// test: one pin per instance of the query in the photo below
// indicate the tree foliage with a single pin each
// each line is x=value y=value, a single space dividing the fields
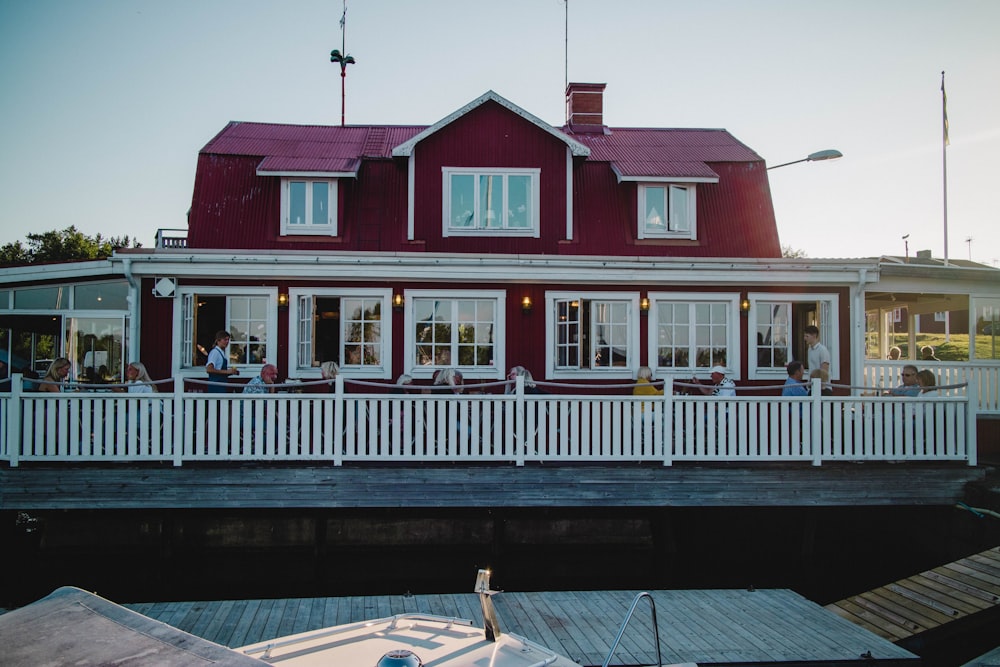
x=60 y=246
x=793 y=253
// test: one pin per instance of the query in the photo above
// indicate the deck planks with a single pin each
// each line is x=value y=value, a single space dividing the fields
x=703 y=626
x=927 y=600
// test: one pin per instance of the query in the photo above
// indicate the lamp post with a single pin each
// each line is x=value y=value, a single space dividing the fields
x=829 y=154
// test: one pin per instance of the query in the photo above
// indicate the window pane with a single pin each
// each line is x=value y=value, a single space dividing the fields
x=42 y=298
x=297 y=203
x=987 y=328
x=462 y=200
x=320 y=203
x=679 y=221
x=95 y=347
x=4 y=299
x=491 y=201
x=518 y=202
x=656 y=210
x=101 y=296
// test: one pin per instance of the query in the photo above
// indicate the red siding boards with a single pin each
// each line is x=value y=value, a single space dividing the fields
x=235 y=208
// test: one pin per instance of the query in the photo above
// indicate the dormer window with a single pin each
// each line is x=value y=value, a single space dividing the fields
x=666 y=211
x=490 y=202
x=308 y=206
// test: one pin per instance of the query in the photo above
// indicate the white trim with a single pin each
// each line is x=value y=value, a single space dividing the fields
x=411 y=194
x=613 y=373
x=733 y=342
x=406 y=148
x=569 y=194
x=829 y=331
x=310 y=228
x=447 y=174
x=497 y=371
x=315 y=175
x=383 y=371
x=691 y=198
x=227 y=291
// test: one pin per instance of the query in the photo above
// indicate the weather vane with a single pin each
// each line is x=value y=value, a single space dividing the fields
x=341 y=56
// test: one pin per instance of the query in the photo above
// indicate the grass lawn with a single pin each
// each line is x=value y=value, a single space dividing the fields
x=954 y=349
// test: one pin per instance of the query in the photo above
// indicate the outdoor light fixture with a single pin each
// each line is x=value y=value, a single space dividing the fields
x=397 y=301
x=744 y=306
x=818 y=156
x=283 y=300
x=526 y=305
x=644 y=305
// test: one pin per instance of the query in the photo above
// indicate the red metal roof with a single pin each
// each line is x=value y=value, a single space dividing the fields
x=633 y=152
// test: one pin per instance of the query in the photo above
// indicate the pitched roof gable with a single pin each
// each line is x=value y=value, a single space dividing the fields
x=406 y=148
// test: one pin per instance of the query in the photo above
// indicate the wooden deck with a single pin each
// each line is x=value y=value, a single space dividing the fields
x=277 y=486
x=927 y=600
x=710 y=627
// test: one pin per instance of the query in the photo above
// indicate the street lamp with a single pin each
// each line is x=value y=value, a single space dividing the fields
x=828 y=154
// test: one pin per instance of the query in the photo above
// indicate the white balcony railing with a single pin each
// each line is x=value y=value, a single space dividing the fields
x=984 y=376
x=341 y=427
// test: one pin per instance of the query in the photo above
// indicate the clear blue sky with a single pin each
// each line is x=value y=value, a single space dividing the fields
x=106 y=103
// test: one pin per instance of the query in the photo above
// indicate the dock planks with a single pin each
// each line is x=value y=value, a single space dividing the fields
x=927 y=600
x=710 y=627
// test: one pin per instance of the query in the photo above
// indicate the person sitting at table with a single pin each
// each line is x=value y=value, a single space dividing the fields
x=927 y=354
x=644 y=385
x=449 y=377
x=529 y=381
x=794 y=385
x=55 y=376
x=928 y=384
x=909 y=386
x=721 y=385
x=138 y=379
x=329 y=370
x=826 y=390
x=262 y=383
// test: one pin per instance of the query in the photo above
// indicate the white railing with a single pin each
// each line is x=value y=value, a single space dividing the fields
x=345 y=427
x=984 y=376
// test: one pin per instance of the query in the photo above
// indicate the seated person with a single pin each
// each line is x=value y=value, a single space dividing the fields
x=529 y=381
x=927 y=354
x=261 y=383
x=721 y=385
x=827 y=390
x=909 y=386
x=928 y=384
x=794 y=385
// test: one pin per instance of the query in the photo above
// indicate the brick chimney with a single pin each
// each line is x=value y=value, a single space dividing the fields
x=585 y=107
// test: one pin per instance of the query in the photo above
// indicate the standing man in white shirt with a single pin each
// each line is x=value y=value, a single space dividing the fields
x=818 y=356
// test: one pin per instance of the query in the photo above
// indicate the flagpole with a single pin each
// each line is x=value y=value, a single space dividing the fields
x=944 y=162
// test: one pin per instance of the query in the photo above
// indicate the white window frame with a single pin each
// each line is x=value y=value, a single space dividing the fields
x=668 y=232
x=311 y=227
x=829 y=330
x=295 y=316
x=692 y=299
x=425 y=372
x=183 y=329
x=626 y=372
x=534 y=227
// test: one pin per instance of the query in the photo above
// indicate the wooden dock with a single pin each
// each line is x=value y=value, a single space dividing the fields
x=928 y=600
x=710 y=627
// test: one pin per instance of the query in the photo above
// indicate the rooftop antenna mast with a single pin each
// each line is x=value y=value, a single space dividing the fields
x=906 y=247
x=342 y=57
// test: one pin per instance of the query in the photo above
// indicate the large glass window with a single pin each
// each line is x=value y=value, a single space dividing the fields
x=309 y=206
x=96 y=348
x=592 y=332
x=693 y=331
x=777 y=323
x=344 y=326
x=987 y=328
x=667 y=211
x=455 y=330
x=249 y=318
x=490 y=201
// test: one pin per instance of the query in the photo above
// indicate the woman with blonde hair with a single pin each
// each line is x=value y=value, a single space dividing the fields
x=138 y=379
x=55 y=376
x=330 y=370
x=449 y=377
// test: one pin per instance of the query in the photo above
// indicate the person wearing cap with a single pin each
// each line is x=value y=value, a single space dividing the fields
x=721 y=385
x=218 y=364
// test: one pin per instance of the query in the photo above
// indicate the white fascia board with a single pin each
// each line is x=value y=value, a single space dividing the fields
x=501 y=268
x=903 y=285
x=662 y=179
x=405 y=148
x=65 y=271
x=309 y=174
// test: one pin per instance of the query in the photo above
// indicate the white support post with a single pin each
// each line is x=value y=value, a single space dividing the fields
x=338 y=420
x=14 y=409
x=180 y=421
x=816 y=427
x=972 y=396
x=668 y=421
x=519 y=420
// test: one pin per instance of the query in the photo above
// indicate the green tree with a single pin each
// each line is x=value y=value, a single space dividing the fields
x=60 y=246
x=792 y=253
